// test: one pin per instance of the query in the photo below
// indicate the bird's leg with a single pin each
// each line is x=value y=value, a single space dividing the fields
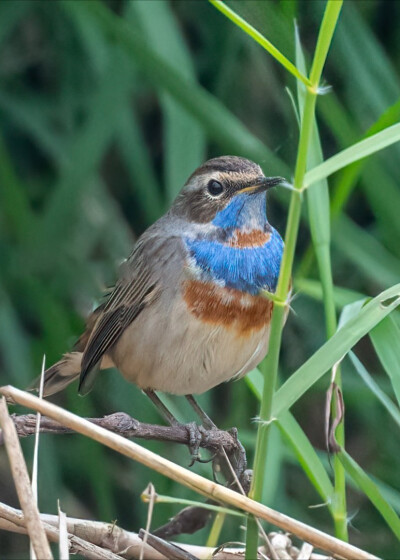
x=195 y=432
x=206 y=420
x=207 y=423
x=162 y=409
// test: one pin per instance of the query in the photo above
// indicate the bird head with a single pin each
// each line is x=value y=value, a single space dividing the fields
x=228 y=191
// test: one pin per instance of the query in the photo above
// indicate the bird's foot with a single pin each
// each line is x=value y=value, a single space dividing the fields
x=197 y=435
x=232 y=464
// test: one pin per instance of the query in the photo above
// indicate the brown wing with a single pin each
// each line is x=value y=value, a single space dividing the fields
x=139 y=285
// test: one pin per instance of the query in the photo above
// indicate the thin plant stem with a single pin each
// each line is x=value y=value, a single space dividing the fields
x=278 y=316
x=216 y=529
x=339 y=509
x=272 y=360
x=192 y=503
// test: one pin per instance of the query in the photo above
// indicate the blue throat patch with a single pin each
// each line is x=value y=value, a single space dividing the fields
x=247 y=269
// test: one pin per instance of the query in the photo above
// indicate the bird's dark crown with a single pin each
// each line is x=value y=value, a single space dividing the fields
x=228 y=164
x=196 y=201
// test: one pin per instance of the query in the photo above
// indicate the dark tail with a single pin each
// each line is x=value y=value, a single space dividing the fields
x=66 y=370
x=59 y=375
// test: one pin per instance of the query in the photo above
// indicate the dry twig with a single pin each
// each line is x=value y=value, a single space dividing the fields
x=13 y=520
x=186 y=477
x=126 y=426
x=22 y=483
x=63 y=545
x=128 y=544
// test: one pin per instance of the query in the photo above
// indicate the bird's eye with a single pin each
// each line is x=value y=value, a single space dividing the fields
x=215 y=188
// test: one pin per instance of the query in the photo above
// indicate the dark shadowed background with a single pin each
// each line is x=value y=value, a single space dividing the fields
x=93 y=149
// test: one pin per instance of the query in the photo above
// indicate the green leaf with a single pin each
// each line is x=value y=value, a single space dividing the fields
x=393 y=410
x=366 y=252
x=261 y=40
x=362 y=61
x=299 y=443
x=313 y=289
x=356 y=152
x=306 y=456
x=335 y=348
x=371 y=490
x=383 y=201
x=386 y=340
x=391 y=495
x=350 y=311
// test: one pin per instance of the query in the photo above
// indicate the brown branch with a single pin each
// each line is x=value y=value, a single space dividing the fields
x=126 y=426
x=22 y=483
x=214 y=440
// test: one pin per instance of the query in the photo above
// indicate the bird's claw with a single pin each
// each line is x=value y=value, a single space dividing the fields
x=197 y=436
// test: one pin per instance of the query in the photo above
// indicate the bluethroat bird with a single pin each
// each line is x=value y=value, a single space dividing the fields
x=186 y=313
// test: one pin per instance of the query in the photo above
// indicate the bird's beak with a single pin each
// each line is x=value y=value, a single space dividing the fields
x=263 y=184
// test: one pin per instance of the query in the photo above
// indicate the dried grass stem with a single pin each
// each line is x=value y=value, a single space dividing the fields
x=186 y=477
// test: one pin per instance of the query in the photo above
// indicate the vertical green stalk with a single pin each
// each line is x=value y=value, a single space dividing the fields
x=216 y=529
x=271 y=365
x=319 y=215
x=339 y=510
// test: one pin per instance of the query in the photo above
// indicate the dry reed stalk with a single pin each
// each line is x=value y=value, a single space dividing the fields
x=127 y=543
x=150 y=491
x=184 y=476
x=22 y=483
x=34 y=483
x=63 y=545
x=14 y=520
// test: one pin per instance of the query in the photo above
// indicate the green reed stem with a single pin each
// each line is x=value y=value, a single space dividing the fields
x=338 y=509
x=216 y=528
x=272 y=360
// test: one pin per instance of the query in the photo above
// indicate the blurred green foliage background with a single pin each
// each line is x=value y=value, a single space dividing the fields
x=102 y=120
